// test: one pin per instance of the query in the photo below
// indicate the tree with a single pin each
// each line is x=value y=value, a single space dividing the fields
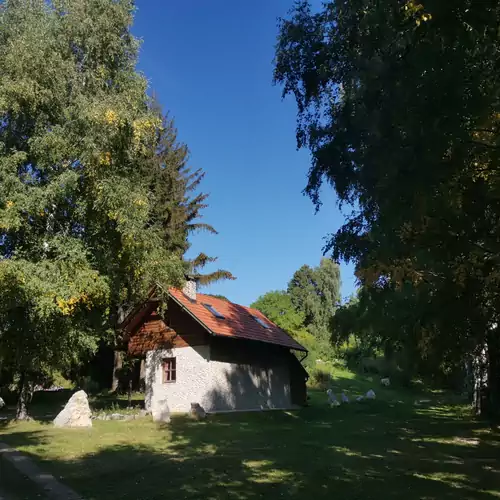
x=399 y=105
x=176 y=205
x=315 y=293
x=78 y=233
x=278 y=307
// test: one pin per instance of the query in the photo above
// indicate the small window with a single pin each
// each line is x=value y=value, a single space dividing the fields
x=169 y=370
x=214 y=311
x=260 y=321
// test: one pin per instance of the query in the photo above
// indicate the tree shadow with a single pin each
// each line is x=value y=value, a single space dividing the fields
x=368 y=450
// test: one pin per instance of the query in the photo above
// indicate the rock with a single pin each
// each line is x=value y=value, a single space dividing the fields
x=359 y=399
x=344 y=398
x=2 y=403
x=332 y=398
x=385 y=381
x=370 y=394
x=117 y=416
x=160 y=411
x=76 y=413
x=197 y=412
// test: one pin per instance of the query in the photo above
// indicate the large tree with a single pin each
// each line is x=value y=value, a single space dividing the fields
x=315 y=293
x=278 y=307
x=399 y=103
x=78 y=236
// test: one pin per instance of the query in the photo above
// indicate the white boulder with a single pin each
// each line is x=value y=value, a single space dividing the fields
x=197 y=412
x=160 y=411
x=76 y=413
x=332 y=398
x=370 y=394
x=385 y=381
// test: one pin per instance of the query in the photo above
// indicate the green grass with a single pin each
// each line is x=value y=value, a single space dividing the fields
x=390 y=448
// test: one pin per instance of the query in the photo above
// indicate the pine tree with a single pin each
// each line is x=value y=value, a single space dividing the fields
x=176 y=204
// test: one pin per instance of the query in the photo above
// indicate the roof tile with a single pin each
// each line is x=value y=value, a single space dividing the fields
x=238 y=321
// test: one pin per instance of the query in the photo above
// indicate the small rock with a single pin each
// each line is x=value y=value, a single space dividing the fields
x=385 y=381
x=116 y=416
x=359 y=399
x=344 y=398
x=370 y=394
x=2 y=403
x=197 y=412
x=76 y=413
x=332 y=398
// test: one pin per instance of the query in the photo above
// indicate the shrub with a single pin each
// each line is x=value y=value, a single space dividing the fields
x=320 y=378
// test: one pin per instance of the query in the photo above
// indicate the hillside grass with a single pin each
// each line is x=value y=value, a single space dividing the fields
x=402 y=445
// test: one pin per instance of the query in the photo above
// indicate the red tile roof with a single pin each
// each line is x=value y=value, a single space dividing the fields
x=238 y=321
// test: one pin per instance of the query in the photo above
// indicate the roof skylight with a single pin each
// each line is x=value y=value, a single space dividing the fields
x=214 y=311
x=260 y=321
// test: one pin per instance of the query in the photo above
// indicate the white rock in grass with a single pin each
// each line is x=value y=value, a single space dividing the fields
x=370 y=394
x=76 y=413
x=344 y=398
x=197 y=411
x=332 y=398
x=2 y=403
x=385 y=381
x=160 y=411
x=359 y=399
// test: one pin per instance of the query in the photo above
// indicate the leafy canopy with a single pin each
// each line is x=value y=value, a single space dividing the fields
x=399 y=103
x=78 y=230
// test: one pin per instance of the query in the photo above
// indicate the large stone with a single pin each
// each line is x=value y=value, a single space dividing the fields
x=160 y=411
x=76 y=413
x=197 y=411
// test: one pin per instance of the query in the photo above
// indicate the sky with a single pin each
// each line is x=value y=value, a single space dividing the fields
x=210 y=64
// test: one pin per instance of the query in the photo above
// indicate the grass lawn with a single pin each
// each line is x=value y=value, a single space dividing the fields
x=391 y=448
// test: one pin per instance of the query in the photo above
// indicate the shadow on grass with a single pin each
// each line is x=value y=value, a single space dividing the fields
x=377 y=449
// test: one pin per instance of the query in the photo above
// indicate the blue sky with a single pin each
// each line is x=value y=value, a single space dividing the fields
x=210 y=65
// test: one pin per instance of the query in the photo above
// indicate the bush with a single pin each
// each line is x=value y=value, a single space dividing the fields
x=320 y=378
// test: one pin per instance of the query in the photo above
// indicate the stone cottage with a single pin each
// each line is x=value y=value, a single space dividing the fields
x=223 y=356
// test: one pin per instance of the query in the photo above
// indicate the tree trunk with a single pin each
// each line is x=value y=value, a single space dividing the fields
x=130 y=390
x=117 y=366
x=25 y=392
x=493 y=373
x=480 y=370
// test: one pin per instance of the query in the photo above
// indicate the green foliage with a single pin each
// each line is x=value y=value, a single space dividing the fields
x=175 y=203
x=320 y=378
x=278 y=307
x=96 y=200
x=306 y=309
x=399 y=104
x=315 y=293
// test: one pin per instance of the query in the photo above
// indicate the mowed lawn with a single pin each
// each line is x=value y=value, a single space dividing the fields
x=394 y=447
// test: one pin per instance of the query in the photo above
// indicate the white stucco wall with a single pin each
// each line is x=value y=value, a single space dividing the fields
x=216 y=385
x=192 y=367
x=247 y=387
